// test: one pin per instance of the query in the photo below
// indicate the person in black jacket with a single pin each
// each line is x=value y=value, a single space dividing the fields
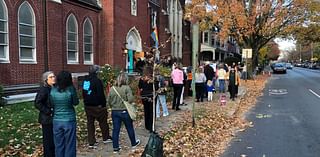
x=45 y=114
x=95 y=106
x=146 y=92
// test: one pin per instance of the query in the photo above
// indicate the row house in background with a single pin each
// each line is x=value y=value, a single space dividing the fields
x=55 y=35
x=215 y=49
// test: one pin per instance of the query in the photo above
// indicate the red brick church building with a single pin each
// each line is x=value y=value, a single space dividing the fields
x=42 y=35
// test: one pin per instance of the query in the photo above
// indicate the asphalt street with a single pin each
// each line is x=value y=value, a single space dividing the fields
x=286 y=119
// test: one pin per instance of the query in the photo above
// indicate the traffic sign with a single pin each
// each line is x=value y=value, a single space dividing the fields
x=246 y=53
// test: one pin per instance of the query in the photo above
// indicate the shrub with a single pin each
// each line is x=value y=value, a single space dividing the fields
x=164 y=71
x=108 y=74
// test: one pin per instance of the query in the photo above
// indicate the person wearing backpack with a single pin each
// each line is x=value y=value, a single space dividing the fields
x=95 y=107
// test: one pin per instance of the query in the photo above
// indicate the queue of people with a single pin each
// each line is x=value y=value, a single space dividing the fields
x=57 y=98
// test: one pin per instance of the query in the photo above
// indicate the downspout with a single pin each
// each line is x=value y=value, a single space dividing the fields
x=45 y=34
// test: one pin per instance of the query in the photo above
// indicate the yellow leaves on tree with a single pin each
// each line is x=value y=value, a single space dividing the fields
x=253 y=23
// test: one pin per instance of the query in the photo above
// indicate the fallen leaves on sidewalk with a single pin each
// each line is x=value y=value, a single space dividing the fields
x=214 y=129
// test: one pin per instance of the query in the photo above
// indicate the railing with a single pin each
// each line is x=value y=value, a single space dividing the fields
x=155 y=2
x=20 y=89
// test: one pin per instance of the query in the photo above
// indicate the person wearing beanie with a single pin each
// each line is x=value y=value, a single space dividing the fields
x=95 y=106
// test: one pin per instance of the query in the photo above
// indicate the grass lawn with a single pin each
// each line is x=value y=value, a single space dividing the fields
x=20 y=131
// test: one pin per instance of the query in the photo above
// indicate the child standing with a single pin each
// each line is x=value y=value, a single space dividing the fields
x=210 y=90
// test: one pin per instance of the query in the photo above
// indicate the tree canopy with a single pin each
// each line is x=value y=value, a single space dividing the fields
x=253 y=23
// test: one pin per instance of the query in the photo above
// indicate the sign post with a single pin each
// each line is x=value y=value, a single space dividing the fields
x=246 y=54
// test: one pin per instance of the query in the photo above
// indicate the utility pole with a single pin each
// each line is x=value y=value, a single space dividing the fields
x=195 y=49
x=311 y=47
x=300 y=52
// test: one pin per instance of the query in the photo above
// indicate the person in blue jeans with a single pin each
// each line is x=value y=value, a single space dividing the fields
x=64 y=97
x=161 y=95
x=119 y=112
x=222 y=77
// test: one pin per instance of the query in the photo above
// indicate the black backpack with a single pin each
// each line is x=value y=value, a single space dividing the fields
x=154 y=147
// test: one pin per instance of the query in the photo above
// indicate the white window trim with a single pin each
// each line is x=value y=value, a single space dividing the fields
x=34 y=60
x=134 y=12
x=77 y=40
x=7 y=57
x=203 y=37
x=92 y=59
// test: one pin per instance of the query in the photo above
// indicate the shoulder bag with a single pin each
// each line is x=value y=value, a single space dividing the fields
x=130 y=108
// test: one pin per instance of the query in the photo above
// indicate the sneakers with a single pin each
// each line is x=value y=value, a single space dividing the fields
x=117 y=150
x=109 y=140
x=165 y=115
x=137 y=144
x=93 y=146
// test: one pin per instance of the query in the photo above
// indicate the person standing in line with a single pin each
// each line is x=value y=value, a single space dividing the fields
x=239 y=78
x=189 y=82
x=221 y=77
x=210 y=90
x=119 y=112
x=161 y=95
x=233 y=82
x=182 y=90
x=210 y=74
x=42 y=103
x=146 y=93
x=63 y=98
x=95 y=106
x=177 y=77
x=200 y=80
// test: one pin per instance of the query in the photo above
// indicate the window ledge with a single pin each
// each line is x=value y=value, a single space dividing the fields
x=4 y=61
x=28 y=62
x=88 y=63
x=72 y=62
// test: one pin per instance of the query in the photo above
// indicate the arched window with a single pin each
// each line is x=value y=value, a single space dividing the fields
x=27 y=34
x=4 y=48
x=88 y=42
x=72 y=40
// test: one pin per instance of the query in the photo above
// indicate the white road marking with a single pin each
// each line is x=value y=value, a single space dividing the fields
x=314 y=93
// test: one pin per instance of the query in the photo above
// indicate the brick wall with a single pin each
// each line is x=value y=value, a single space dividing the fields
x=118 y=19
x=15 y=73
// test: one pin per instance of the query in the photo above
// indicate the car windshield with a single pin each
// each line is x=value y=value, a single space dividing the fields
x=279 y=65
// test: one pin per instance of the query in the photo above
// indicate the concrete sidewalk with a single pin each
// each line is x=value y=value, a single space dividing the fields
x=163 y=124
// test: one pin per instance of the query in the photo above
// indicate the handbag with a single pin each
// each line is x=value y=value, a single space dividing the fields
x=130 y=107
x=154 y=147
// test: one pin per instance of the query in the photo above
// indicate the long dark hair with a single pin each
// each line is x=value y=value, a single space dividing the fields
x=64 y=80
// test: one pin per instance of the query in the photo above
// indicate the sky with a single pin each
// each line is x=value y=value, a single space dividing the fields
x=285 y=44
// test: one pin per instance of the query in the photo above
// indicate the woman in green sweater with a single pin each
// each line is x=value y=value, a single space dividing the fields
x=63 y=98
x=120 y=113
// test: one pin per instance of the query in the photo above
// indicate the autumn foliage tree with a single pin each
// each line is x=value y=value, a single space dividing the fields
x=270 y=51
x=253 y=23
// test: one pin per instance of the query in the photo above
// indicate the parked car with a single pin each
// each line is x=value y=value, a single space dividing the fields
x=298 y=64
x=289 y=65
x=280 y=68
x=314 y=65
x=305 y=65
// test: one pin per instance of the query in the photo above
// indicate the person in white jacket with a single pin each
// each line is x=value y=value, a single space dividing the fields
x=222 y=77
